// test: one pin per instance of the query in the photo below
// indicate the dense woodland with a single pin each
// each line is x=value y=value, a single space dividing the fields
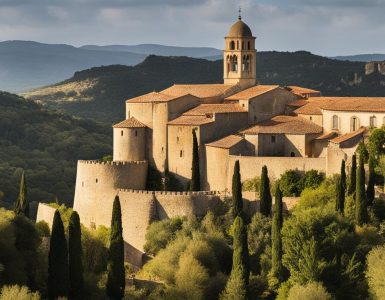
x=115 y=84
x=331 y=245
x=46 y=145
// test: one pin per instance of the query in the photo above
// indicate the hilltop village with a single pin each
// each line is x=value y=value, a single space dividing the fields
x=284 y=128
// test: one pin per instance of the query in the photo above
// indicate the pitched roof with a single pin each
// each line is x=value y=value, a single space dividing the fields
x=214 y=108
x=198 y=90
x=364 y=104
x=313 y=106
x=298 y=103
x=129 y=123
x=226 y=142
x=345 y=137
x=301 y=91
x=284 y=125
x=327 y=136
x=252 y=92
x=191 y=120
x=152 y=97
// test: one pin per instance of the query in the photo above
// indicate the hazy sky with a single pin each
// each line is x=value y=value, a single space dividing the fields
x=328 y=27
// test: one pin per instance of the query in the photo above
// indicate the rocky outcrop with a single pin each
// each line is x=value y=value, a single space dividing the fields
x=375 y=67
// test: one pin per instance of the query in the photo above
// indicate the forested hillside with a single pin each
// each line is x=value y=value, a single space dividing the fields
x=46 y=145
x=100 y=93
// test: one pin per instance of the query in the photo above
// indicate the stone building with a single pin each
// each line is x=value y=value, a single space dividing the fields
x=281 y=127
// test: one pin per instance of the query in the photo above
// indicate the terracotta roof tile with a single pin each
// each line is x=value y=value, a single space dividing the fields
x=345 y=137
x=301 y=91
x=152 y=97
x=129 y=123
x=327 y=136
x=214 y=108
x=284 y=125
x=227 y=142
x=191 y=120
x=298 y=103
x=252 y=92
x=364 y=104
x=198 y=90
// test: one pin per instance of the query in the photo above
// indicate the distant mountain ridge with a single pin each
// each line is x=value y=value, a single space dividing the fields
x=99 y=93
x=361 y=57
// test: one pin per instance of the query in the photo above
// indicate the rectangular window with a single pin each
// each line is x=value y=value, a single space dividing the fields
x=273 y=139
x=181 y=153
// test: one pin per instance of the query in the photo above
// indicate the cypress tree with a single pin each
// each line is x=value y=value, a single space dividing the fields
x=371 y=179
x=57 y=261
x=75 y=257
x=265 y=194
x=353 y=171
x=236 y=287
x=22 y=205
x=195 y=184
x=361 y=209
x=237 y=191
x=340 y=190
x=116 y=273
x=276 y=240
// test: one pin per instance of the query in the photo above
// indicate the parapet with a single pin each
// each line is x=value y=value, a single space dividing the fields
x=187 y=193
x=112 y=163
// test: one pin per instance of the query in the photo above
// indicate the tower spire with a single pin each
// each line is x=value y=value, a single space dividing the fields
x=239 y=13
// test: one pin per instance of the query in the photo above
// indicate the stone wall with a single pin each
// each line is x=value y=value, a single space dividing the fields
x=129 y=144
x=45 y=213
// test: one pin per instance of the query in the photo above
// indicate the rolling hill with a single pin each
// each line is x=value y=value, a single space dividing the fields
x=362 y=57
x=46 y=145
x=99 y=93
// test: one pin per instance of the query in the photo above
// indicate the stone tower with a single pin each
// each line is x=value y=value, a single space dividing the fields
x=239 y=56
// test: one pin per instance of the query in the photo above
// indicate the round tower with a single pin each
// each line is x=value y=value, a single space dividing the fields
x=239 y=56
x=129 y=141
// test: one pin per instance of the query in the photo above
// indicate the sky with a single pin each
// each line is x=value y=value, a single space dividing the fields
x=325 y=27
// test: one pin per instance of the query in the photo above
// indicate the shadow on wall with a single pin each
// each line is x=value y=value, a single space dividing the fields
x=134 y=256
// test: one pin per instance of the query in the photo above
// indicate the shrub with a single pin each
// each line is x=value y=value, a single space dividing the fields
x=291 y=183
x=376 y=272
x=160 y=233
x=16 y=292
x=42 y=229
x=312 y=179
x=311 y=291
x=95 y=249
x=252 y=185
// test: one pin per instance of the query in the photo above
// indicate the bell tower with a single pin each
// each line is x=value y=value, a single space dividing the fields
x=239 y=56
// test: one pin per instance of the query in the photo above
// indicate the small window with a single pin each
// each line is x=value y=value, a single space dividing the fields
x=273 y=139
x=121 y=133
x=232 y=45
x=82 y=183
x=136 y=132
x=248 y=46
x=354 y=123
x=181 y=153
x=292 y=154
x=177 y=139
x=373 y=121
x=243 y=104
x=237 y=45
x=96 y=180
x=335 y=122
x=162 y=149
x=311 y=118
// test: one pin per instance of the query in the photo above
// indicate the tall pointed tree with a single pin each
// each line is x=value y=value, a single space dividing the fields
x=57 y=261
x=361 y=206
x=265 y=194
x=353 y=171
x=75 y=258
x=340 y=190
x=276 y=274
x=370 y=188
x=195 y=184
x=22 y=204
x=116 y=273
x=236 y=287
x=237 y=191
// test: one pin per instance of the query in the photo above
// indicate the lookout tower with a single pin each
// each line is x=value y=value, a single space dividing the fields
x=239 y=56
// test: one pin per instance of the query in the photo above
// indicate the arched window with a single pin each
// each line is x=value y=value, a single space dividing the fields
x=335 y=122
x=232 y=45
x=248 y=45
x=354 y=124
x=373 y=121
x=234 y=63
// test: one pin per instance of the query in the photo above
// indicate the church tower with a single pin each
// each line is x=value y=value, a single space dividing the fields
x=239 y=56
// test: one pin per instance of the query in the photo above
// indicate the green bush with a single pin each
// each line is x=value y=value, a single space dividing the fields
x=312 y=179
x=160 y=233
x=42 y=229
x=376 y=272
x=311 y=291
x=252 y=185
x=291 y=183
x=16 y=292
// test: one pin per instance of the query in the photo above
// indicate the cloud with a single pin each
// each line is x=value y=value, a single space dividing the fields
x=328 y=27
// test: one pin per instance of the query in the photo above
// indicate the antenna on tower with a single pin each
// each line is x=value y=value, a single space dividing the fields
x=239 y=15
